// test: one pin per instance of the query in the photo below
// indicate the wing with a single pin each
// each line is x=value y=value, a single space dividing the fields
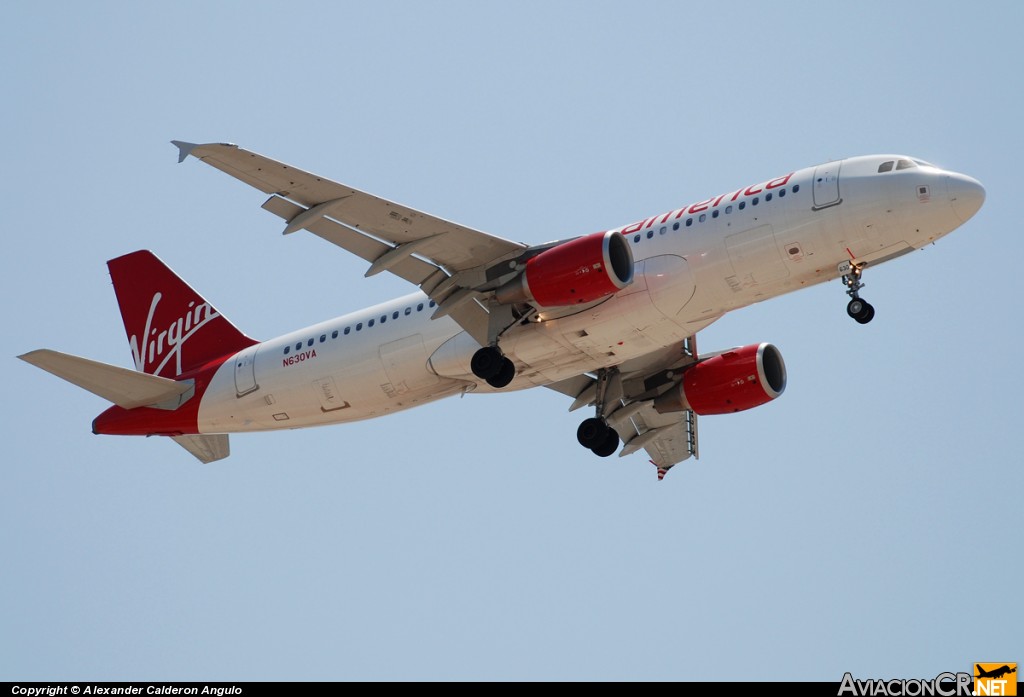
x=630 y=391
x=445 y=259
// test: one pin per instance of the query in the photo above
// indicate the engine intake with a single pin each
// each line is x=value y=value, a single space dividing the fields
x=733 y=381
x=579 y=271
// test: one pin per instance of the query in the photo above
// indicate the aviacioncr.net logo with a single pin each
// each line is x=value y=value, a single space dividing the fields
x=943 y=685
x=995 y=679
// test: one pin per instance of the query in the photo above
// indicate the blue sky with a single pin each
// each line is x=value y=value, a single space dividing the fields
x=867 y=521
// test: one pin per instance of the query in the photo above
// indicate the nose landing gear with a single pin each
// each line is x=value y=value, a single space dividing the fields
x=859 y=309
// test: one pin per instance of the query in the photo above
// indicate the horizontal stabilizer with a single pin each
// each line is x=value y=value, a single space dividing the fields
x=206 y=448
x=125 y=388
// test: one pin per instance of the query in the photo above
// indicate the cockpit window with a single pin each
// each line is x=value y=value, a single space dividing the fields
x=905 y=164
x=885 y=166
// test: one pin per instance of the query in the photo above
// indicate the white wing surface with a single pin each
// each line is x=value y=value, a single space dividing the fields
x=443 y=258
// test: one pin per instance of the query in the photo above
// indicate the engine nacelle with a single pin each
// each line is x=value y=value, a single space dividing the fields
x=579 y=271
x=733 y=381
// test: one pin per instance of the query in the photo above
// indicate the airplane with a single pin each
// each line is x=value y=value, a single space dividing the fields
x=608 y=319
x=995 y=673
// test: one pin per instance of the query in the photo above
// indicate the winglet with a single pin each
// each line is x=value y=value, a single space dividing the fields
x=184 y=148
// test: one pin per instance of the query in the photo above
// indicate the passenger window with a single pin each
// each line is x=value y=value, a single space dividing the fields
x=768 y=197
x=359 y=326
x=754 y=202
x=782 y=192
x=689 y=222
x=347 y=329
x=323 y=338
x=636 y=238
x=309 y=343
x=703 y=217
x=369 y=324
x=675 y=226
x=743 y=204
x=419 y=308
x=394 y=315
x=714 y=213
x=334 y=334
x=662 y=230
x=431 y=303
x=650 y=234
x=298 y=346
x=885 y=167
x=728 y=209
x=287 y=349
x=905 y=164
x=383 y=319
x=796 y=188
x=408 y=311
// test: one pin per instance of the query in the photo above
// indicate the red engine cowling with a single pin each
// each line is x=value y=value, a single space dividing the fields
x=582 y=270
x=733 y=381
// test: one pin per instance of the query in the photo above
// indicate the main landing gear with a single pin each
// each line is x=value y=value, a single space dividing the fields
x=598 y=436
x=858 y=308
x=491 y=365
x=595 y=433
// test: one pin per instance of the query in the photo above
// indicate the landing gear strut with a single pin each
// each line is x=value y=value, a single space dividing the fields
x=859 y=309
x=490 y=364
x=594 y=433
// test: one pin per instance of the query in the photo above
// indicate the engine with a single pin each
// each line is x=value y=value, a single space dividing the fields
x=736 y=380
x=579 y=271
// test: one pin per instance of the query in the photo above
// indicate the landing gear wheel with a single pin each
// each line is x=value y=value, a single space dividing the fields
x=860 y=310
x=504 y=376
x=853 y=308
x=609 y=445
x=487 y=362
x=592 y=433
x=869 y=314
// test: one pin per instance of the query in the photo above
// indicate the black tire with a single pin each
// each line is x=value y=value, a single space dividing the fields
x=486 y=363
x=867 y=314
x=592 y=433
x=504 y=376
x=855 y=308
x=609 y=445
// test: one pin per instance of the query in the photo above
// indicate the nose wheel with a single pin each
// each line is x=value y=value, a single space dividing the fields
x=859 y=309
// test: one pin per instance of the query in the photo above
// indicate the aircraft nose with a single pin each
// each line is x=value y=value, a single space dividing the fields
x=966 y=195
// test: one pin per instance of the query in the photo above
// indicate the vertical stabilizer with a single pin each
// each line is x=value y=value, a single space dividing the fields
x=171 y=328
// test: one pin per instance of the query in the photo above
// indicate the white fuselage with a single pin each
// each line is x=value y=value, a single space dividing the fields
x=692 y=265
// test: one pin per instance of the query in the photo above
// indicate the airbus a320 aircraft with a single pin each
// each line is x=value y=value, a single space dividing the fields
x=608 y=319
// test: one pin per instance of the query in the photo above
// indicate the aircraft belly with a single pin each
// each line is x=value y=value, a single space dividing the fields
x=330 y=387
x=321 y=401
x=608 y=334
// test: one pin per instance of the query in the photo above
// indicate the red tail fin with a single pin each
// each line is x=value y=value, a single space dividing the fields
x=171 y=328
